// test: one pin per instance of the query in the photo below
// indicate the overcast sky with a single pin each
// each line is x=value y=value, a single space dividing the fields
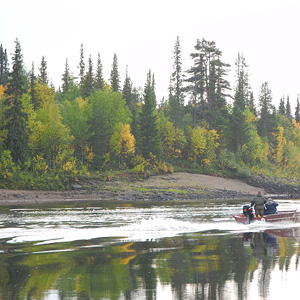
x=142 y=34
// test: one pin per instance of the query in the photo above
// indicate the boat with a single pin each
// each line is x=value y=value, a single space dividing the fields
x=281 y=216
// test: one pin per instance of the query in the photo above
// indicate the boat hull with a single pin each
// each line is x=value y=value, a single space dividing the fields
x=283 y=216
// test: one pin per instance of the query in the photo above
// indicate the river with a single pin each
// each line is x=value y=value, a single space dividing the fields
x=158 y=250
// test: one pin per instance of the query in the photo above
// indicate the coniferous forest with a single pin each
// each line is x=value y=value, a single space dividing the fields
x=49 y=136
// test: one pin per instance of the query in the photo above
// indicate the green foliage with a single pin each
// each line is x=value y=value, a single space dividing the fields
x=43 y=77
x=7 y=166
x=148 y=121
x=75 y=116
x=172 y=139
x=17 y=134
x=106 y=109
x=203 y=146
x=48 y=135
x=254 y=150
x=114 y=75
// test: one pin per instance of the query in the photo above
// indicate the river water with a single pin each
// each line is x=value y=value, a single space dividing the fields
x=157 y=250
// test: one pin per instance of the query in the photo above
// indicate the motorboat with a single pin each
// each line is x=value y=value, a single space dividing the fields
x=248 y=216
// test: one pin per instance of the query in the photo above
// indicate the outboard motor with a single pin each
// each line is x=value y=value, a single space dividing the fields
x=248 y=213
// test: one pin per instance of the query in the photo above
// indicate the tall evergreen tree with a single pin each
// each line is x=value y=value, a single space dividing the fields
x=33 y=95
x=43 y=77
x=81 y=67
x=148 y=121
x=195 y=90
x=241 y=100
x=131 y=96
x=196 y=83
x=127 y=91
x=242 y=89
x=3 y=66
x=99 y=81
x=153 y=90
x=17 y=135
x=281 y=108
x=208 y=82
x=66 y=80
x=219 y=119
x=297 y=110
x=266 y=114
x=288 y=110
x=252 y=104
x=176 y=94
x=88 y=84
x=114 y=75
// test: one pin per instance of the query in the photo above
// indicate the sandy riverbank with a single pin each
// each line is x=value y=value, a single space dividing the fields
x=179 y=185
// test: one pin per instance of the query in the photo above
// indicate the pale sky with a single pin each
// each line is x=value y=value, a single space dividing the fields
x=143 y=33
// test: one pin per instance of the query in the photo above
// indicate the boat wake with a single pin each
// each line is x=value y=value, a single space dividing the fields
x=142 y=230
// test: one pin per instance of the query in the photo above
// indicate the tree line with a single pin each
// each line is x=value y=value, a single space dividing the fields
x=89 y=124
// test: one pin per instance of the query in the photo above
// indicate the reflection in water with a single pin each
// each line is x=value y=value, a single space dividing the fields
x=262 y=243
x=212 y=262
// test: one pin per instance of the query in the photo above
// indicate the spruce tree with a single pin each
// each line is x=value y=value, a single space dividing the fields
x=99 y=81
x=148 y=121
x=241 y=101
x=88 y=83
x=288 y=111
x=281 y=108
x=153 y=90
x=43 y=77
x=196 y=83
x=17 y=135
x=266 y=113
x=66 y=78
x=208 y=84
x=297 y=110
x=127 y=91
x=194 y=88
x=33 y=96
x=252 y=104
x=242 y=89
x=81 y=67
x=3 y=66
x=114 y=75
x=131 y=96
x=176 y=95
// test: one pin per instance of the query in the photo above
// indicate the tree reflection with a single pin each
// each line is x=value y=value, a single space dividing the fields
x=195 y=267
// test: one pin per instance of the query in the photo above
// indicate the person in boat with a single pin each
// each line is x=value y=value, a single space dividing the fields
x=259 y=204
x=270 y=207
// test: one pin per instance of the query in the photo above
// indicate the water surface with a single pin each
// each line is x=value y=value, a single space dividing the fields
x=158 y=250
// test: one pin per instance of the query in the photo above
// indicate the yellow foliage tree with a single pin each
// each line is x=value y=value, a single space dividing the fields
x=1 y=91
x=296 y=133
x=44 y=93
x=49 y=136
x=254 y=150
x=280 y=142
x=203 y=145
x=122 y=144
x=198 y=143
x=172 y=140
x=212 y=144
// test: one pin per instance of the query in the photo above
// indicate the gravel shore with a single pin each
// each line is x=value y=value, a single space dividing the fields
x=176 y=186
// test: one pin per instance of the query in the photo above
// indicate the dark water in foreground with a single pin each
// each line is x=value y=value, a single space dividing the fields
x=146 y=251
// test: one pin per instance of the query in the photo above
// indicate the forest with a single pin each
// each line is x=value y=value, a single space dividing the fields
x=50 y=136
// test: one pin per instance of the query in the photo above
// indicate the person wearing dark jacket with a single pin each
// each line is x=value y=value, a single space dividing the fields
x=259 y=204
x=270 y=207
